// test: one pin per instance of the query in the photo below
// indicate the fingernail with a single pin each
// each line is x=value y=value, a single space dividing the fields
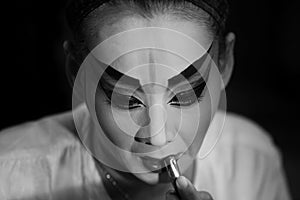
x=182 y=182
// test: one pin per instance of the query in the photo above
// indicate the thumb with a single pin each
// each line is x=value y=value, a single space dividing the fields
x=186 y=189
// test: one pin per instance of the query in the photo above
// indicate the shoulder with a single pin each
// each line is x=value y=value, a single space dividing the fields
x=245 y=161
x=243 y=133
x=37 y=137
x=245 y=150
x=46 y=157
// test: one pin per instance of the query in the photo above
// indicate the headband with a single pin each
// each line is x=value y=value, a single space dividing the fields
x=77 y=10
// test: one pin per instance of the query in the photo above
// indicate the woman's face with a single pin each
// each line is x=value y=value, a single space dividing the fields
x=172 y=117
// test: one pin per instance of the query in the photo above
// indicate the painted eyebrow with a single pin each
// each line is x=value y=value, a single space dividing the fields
x=112 y=76
x=190 y=73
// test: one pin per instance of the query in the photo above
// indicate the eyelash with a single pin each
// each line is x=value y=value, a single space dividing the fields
x=197 y=91
x=187 y=103
x=128 y=106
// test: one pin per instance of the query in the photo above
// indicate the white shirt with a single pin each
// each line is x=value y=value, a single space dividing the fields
x=45 y=160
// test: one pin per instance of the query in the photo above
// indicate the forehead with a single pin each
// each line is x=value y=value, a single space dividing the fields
x=152 y=65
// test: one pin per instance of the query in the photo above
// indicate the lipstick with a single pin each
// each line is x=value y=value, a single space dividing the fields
x=173 y=169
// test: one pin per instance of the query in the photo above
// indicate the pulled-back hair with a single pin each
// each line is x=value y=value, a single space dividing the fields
x=92 y=17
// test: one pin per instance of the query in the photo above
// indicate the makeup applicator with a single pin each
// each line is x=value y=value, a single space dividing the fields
x=173 y=170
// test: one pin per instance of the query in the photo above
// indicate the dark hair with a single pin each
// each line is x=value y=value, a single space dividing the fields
x=87 y=25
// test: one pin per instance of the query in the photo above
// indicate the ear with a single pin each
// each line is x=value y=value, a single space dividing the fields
x=71 y=64
x=227 y=59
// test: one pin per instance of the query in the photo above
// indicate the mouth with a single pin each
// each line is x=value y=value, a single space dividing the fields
x=152 y=164
x=156 y=165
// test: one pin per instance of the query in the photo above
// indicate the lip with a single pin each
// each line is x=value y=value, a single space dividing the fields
x=152 y=164
x=156 y=164
x=143 y=148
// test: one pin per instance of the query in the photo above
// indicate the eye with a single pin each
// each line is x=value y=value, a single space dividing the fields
x=188 y=98
x=118 y=100
x=125 y=102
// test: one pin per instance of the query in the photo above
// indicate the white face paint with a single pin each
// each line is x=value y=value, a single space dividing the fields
x=154 y=124
x=163 y=39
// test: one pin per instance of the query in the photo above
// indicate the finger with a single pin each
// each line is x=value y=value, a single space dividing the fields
x=171 y=195
x=186 y=189
x=205 y=196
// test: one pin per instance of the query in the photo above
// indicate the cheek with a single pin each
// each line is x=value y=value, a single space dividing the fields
x=108 y=124
x=194 y=124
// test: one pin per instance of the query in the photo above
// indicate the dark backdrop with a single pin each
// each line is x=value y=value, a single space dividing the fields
x=264 y=85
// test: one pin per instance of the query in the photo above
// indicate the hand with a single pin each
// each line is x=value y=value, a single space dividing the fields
x=187 y=191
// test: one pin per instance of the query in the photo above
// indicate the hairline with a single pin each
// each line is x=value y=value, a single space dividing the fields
x=106 y=15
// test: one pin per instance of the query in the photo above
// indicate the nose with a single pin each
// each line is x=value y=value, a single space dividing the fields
x=155 y=132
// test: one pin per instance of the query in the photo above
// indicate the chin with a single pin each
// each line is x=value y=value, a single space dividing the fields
x=135 y=167
x=154 y=178
x=149 y=178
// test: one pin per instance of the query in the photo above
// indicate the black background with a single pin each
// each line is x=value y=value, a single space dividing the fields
x=264 y=86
